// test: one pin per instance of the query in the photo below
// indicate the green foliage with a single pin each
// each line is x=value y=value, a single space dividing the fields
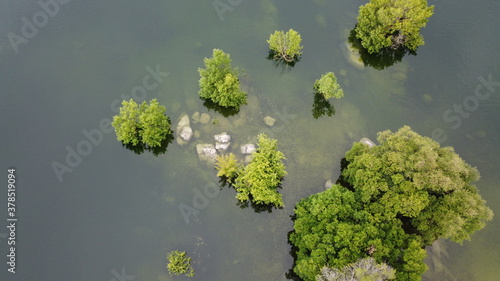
x=365 y=269
x=413 y=178
x=260 y=179
x=219 y=81
x=228 y=167
x=179 y=263
x=285 y=46
x=392 y=23
x=402 y=195
x=141 y=124
x=332 y=229
x=327 y=86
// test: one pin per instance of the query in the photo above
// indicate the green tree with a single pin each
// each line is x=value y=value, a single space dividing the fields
x=259 y=180
x=219 y=82
x=141 y=124
x=392 y=23
x=333 y=229
x=179 y=263
x=327 y=86
x=285 y=46
x=365 y=269
x=228 y=167
x=430 y=188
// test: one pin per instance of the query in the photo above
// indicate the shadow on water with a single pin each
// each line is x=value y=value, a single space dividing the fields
x=384 y=58
x=156 y=150
x=285 y=65
x=321 y=106
x=225 y=111
x=290 y=274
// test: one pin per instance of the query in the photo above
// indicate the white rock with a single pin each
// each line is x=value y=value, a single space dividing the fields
x=328 y=184
x=269 y=121
x=222 y=146
x=186 y=133
x=247 y=148
x=206 y=152
x=368 y=142
x=222 y=138
x=204 y=118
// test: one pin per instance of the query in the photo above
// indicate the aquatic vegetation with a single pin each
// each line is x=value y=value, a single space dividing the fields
x=228 y=166
x=285 y=46
x=179 y=263
x=328 y=86
x=141 y=124
x=219 y=82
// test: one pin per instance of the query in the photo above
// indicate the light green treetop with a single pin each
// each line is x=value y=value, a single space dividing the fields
x=285 y=46
x=327 y=86
x=179 y=263
x=142 y=123
x=219 y=81
x=392 y=23
x=260 y=179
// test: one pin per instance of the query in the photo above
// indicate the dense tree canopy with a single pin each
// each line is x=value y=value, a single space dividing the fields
x=219 y=81
x=392 y=23
x=400 y=197
x=141 y=124
x=328 y=86
x=411 y=177
x=285 y=46
x=259 y=180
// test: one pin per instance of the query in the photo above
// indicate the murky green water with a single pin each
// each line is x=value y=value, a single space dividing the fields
x=117 y=213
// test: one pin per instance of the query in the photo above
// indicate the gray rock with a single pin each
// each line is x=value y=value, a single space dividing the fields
x=184 y=121
x=222 y=146
x=368 y=142
x=180 y=141
x=328 y=184
x=196 y=117
x=204 y=118
x=186 y=133
x=269 y=121
x=206 y=152
x=247 y=148
x=222 y=138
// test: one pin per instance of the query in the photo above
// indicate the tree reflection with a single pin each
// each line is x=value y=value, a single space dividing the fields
x=384 y=58
x=225 y=111
x=285 y=65
x=321 y=106
x=156 y=150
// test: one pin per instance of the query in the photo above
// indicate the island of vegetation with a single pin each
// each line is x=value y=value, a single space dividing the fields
x=259 y=180
x=142 y=124
x=285 y=46
x=328 y=87
x=395 y=199
x=392 y=23
x=219 y=82
x=179 y=263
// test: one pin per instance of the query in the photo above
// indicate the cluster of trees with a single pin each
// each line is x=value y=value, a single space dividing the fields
x=141 y=124
x=397 y=198
x=179 y=263
x=392 y=24
x=259 y=180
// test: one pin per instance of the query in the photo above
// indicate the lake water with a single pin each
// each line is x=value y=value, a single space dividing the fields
x=117 y=214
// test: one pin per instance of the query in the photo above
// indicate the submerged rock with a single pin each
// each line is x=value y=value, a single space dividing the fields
x=222 y=138
x=247 y=148
x=368 y=142
x=186 y=133
x=206 y=152
x=204 y=118
x=196 y=117
x=269 y=121
x=328 y=184
x=222 y=146
x=184 y=121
